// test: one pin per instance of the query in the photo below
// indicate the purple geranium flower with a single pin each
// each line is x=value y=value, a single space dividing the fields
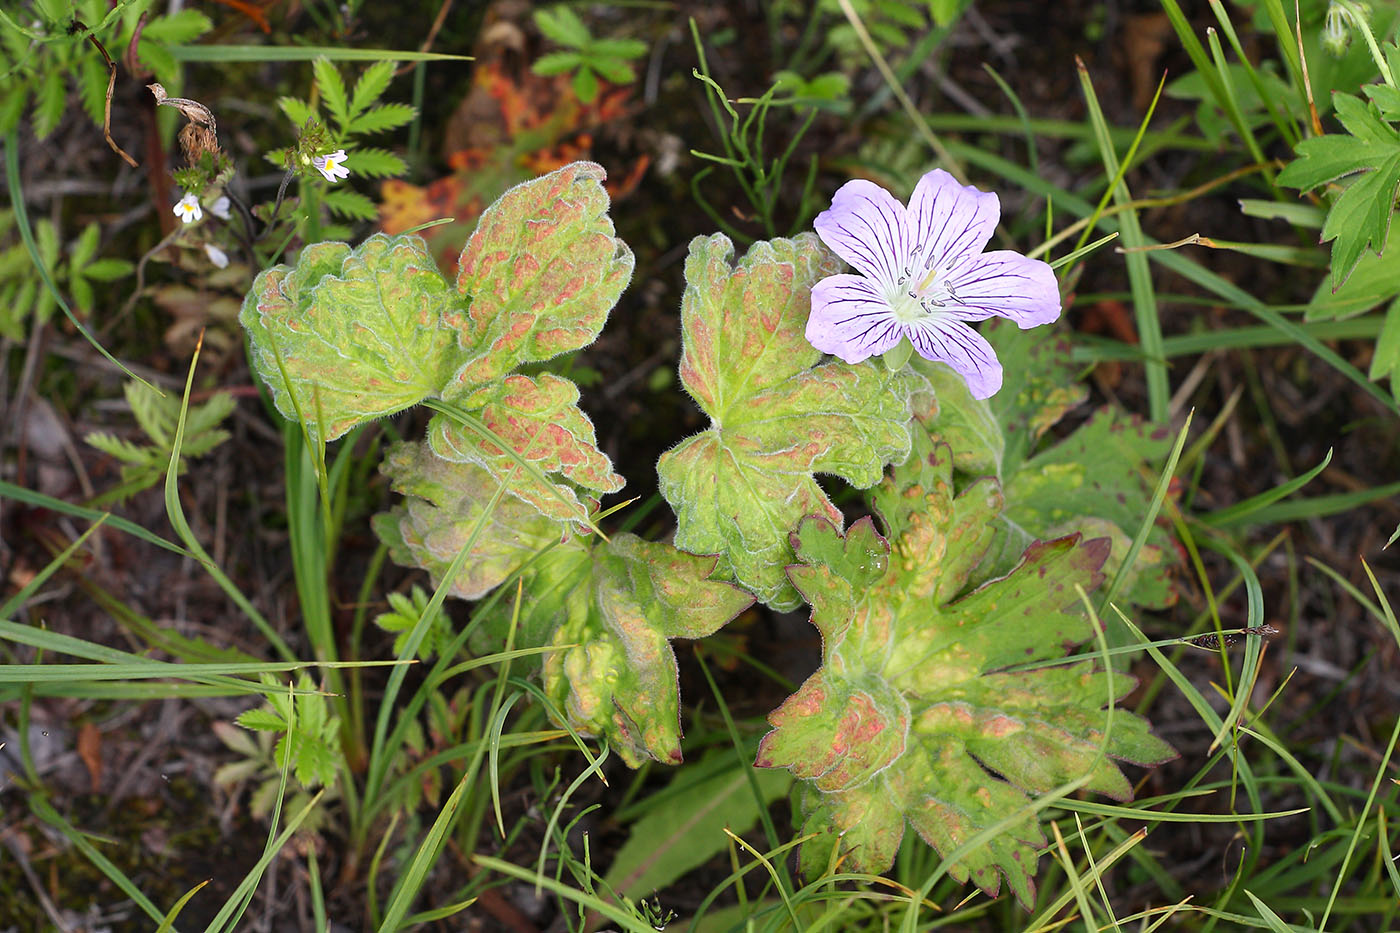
x=924 y=276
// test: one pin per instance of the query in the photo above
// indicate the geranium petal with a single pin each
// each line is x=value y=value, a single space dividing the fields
x=865 y=226
x=1006 y=284
x=944 y=339
x=948 y=221
x=851 y=319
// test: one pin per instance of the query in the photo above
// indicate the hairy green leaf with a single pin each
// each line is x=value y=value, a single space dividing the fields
x=371 y=85
x=371 y=162
x=297 y=110
x=403 y=616
x=1098 y=480
x=175 y=28
x=107 y=270
x=913 y=717
x=381 y=118
x=49 y=102
x=347 y=203
x=741 y=487
x=332 y=88
x=557 y=63
x=359 y=333
x=610 y=610
x=562 y=25
x=586 y=85
x=540 y=273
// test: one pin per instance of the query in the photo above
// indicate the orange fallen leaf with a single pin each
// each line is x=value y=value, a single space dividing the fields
x=90 y=751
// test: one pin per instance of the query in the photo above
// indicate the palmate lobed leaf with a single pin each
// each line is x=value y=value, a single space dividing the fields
x=739 y=488
x=1360 y=216
x=365 y=333
x=611 y=610
x=539 y=418
x=358 y=332
x=539 y=275
x=608 y=609
x=911 y=718
x=1098 y=480
x=444 y=502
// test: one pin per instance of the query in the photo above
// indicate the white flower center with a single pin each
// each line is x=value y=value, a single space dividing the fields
x=922 y=290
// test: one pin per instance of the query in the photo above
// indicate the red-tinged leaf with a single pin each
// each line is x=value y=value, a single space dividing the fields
x=444 y=504
x=539 y=275
x=836 y=734
x=1097 y=481
x=607 y=610
x=741 y=487
x=539 y=418
x=913 y=717
x=610 y=610
x=358 y=332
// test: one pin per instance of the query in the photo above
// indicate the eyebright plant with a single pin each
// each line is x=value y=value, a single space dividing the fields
x=915 y=717
x=188 y=209
x=330 y=145
x=332 y=165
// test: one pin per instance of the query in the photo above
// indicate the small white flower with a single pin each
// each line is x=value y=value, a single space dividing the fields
x=188 y=209
x=217 y=256
x=332 y=166
x=220 y=207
